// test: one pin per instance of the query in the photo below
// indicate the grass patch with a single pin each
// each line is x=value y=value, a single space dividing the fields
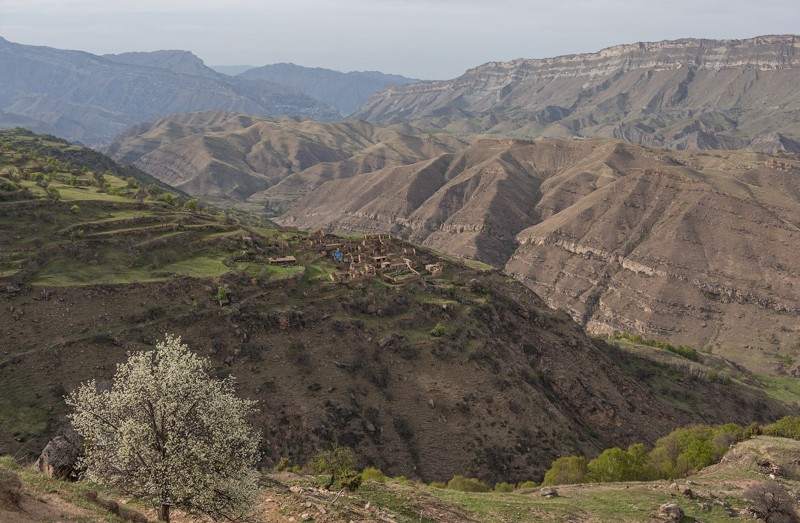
x=783 y=389
x=199 y=267
x=394 y=498
x=21 y=420
x=67 y=273
x=69 y=193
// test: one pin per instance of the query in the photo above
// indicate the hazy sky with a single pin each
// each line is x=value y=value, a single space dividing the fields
x=431 y=39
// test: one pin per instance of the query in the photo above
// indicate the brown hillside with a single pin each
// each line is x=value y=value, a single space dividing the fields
x=691 y=247
x=257 y=160
x=463 y=372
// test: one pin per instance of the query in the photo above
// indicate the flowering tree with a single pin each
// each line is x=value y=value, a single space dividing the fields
x=167 y=431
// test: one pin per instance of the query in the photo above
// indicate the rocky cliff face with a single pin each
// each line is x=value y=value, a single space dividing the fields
x=181 y=62
x=707 y=94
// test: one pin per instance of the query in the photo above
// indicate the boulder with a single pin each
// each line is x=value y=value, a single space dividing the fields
x=670 y=512
x=549 y=492
x=59 y=458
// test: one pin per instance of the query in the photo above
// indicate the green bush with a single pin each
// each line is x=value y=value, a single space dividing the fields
x=685 y=450
x=285 y=464
x=351 y=480
x=504 y=487
x=438 y=484
x=166 y=198
x=615 y=464
x=787 y=427
x=339 y=462
x=467 y=484
x=444 y=331
x=565 y=470
x=373 y=474
x=527 y=484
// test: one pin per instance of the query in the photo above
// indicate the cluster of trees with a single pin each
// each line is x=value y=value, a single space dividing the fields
x=675 y=455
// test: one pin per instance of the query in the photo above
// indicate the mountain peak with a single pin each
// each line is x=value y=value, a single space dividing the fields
x=175 y=60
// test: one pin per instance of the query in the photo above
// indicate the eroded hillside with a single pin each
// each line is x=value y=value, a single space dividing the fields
x=427 y=367
x=693 y=247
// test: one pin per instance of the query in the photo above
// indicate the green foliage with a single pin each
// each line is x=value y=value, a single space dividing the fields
x=527 y=484
x=53 y=194
x=285 y=465
x=351 y=480
x=438 y=484
x=681 y=350
x=566 y=469
x=675 y=455
x=685 y=450
x=444 y=331
x=504 y=487
x=75 y=209
x=786 y=427
x=467 y=484
x=616 y=464
x=373 y=474
x=221 y=295
x=339 y=462
x=190 y=205
x=166 y=198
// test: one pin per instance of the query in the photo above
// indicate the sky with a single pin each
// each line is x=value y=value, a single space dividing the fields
x=426 y=39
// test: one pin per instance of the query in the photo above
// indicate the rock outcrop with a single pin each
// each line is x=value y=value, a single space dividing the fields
x=690 y=93
x=60 y=457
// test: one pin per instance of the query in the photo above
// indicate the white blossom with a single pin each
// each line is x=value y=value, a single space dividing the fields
x=167 y=431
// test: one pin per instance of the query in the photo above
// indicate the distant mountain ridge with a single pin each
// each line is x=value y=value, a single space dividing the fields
x=177 y=61
x=81 y=96
x=345 y=91
x=689 y=93
x=231 y=70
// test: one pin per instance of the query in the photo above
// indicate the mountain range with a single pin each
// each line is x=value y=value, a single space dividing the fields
x=347 y=92
x=690 y=93
x=90 y=98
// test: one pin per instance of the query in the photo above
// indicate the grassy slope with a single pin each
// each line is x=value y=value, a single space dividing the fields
x=717 y=496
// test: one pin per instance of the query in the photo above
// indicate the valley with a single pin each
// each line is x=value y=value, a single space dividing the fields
x=690 y=247
x=447 y=355
x=444 y=298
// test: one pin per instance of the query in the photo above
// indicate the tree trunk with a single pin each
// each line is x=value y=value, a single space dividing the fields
x=330 y=483
x=163 y=512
